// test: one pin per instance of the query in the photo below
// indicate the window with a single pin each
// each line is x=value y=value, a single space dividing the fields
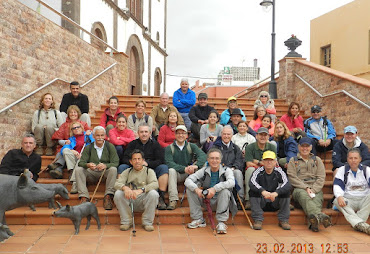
x=135 y=9
x=326 y=56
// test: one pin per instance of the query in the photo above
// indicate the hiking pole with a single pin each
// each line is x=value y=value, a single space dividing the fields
x=209 y=210
x=97 y=186
x=183 y=196
x=133 y=217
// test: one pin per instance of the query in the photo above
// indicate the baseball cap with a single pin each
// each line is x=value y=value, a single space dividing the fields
x=305 y=140
x=202 y=96
x=316 y=108
x=269 y=155
x=181 y=127
x=236 y=111
x=232 y=98
x=262 y=130
x=350 y=128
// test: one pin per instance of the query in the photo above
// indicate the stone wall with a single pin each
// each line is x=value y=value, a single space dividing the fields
x=34 y=51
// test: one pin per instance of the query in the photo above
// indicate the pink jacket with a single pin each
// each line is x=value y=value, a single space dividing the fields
x=291 y=124
x=117 y=137
x=166 y=136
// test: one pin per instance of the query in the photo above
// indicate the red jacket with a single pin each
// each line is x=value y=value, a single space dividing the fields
x=166 y=136
x=291 y=124
x=111 y=119
x=121 y=138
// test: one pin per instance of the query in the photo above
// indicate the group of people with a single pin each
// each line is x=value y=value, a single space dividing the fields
x=230 y=159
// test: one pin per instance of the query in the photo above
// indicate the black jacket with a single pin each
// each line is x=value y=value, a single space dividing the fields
x=231 y=156
x=200 y=113
x=82 y=101
x=277 y=182
x=153 y=152
x=16 y=161
x=340 y=151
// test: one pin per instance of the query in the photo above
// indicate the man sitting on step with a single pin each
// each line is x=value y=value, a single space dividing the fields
x=136 y=186
x=270 y=191
x=306 y=173
x=352 y=191
x=100 y=157
x=183 y=159
x=213 y=182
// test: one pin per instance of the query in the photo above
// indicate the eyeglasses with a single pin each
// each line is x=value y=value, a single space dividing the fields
x=75 y=128
x=262 y=96
x=315 y=112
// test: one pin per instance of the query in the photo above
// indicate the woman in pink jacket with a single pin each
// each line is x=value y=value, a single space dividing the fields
x=294 y=121
x=109 y=117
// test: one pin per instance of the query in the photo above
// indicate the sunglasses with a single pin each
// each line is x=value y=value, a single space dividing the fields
x=262 y=96
x=75 y=128
x=315 y=112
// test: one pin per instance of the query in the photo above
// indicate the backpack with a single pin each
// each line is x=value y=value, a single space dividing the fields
x=297 y=164
x=146 y=117
x=190 y=151
x=346 y=172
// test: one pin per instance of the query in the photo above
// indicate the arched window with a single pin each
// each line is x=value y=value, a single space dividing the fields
x=98 y=30
x=157 y=81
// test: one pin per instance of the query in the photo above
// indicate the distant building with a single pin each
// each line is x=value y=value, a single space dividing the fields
x=245 y=76
x=340 y=39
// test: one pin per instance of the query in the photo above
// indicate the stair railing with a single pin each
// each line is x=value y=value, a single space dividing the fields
x=333 y=93
x=51 y=82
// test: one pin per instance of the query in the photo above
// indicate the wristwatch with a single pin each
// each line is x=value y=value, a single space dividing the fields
x=143 y=189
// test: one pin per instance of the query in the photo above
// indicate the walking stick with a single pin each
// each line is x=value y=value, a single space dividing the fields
x=245 y=212
x=133 y=217
x=97 y=186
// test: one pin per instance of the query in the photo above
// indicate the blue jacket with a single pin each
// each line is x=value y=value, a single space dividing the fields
x=340 y=150
x=72 y=145
x=225 y=117
x=315 y=129
x=183 y=102
x=290 y=148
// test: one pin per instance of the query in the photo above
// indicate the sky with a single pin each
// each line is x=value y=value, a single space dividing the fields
x=204 y=36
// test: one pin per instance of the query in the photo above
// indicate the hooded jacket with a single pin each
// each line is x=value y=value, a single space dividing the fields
x=315 y=129
x=340 y=150
x=107 y=118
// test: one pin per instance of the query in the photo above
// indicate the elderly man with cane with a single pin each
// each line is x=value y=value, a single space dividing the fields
x=136 y=191
x=213 y=182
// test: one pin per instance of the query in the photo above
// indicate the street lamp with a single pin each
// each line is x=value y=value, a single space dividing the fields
x=272 y=85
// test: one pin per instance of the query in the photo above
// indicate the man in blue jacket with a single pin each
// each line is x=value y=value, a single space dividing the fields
x=320 y=130
x=350 y=140
x=184 y=99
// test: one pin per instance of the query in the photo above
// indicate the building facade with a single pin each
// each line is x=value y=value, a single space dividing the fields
x=340 y=39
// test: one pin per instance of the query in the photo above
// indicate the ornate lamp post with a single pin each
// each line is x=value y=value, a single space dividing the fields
x=272 y=84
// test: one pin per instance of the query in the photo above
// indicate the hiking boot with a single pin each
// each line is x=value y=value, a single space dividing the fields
x=221 y=228
x=148 y=228
x=314 y=221
x=125 y=227
x=247 y=205
x=57 y=173
x=257 y=225
x=291 y=207
x=107 y=202
x=172 y=205
x=161 y=203
x=325 y=220
x=83 y=200
x=53 y=166
x=39 y=151
x=201 y=223
x=49 y=151
x=363 y=227
x=74 y=188
x=284 y=225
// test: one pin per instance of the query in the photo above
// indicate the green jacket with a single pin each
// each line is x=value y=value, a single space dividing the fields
x=180 y=159
x=109 y=156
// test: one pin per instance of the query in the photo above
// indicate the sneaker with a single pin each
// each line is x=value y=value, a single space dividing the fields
x=39 y=151
x=107 y=202
x=325 y=220
x=74 y=188
x=125 y=227
x=201 y=223
x=314 y=221
x=247 y=205
x=148 y=228
x=57 y=173
x=257 y=225
x=284 y=225
x=49 y=151
x=362 y=227
x=221 y=228
x=172 y=205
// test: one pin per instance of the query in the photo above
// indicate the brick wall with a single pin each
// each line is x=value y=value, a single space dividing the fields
x=340 y=109
x=34 y=51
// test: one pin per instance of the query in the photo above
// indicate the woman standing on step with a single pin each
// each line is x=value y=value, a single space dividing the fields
x=166 y=134
x=294 y=121
x=109 y=117
x=268 y=103
x=120 y=136
x=139 y=117
x=209 y=132
x=46 y=120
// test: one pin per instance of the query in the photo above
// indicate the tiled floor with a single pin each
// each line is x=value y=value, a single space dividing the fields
x=179 y=239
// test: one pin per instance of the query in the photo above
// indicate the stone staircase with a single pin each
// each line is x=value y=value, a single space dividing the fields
x=181 y=215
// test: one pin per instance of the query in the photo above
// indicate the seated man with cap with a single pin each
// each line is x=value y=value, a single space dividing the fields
x=226 y=114
x=320 y=130
x=270 y=191
x=306 y=173
x=350 y=140
x=199 y=114
x=236 y=118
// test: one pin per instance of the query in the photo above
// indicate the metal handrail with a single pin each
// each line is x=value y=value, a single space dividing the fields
x=75 y=24
x=258 y=83
x=333 y=93
x=49 y=83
